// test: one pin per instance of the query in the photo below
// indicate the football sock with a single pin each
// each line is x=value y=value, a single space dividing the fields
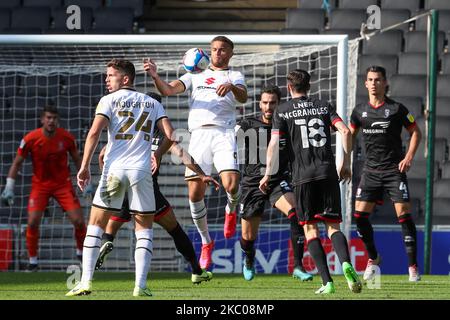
x=107 y=237
x=248 y=247
x=143 y=256
x=409 y=237
x=32 y=241
x=91 y=250
x=365 y=233
x=184 y=246
x=198 y=213
x=297 y=238
x=232 y=201
x=320 y=259
x=340 y=246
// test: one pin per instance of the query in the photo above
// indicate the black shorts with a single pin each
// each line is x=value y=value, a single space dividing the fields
x=253 y=201
x=319 y=201
x=373 y=183
x=162 y=206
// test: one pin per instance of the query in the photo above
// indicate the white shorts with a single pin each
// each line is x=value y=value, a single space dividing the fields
x=137 y=183
x=213 y=145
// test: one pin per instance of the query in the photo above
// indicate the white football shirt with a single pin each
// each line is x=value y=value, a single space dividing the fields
x=132 y=117
x=206 y=107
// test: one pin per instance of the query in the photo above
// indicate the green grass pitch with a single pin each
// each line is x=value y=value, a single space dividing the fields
x=177 y=286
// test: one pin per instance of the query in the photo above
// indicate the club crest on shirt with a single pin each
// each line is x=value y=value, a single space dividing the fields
x=364 y=114
x=386 y=113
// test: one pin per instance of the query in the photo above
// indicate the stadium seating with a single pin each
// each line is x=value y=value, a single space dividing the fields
x=347 y=18
x=30 y=18
x=389 y=62
x=93 y=4
x=389 y=42
x=123 y=20
x=10 y=4
x=446 y=170
x=314 y=4
x=60 y=19
x=407 y=85
x=437 y=4
x=137 y=5
x=356 y=4
x=444 y=22
x=394 y=16
x=415 y=41
x=305 y=19
x=411 y=5
x=42 y=3
x=443 y=106
x=412 y=63
x=443 y=85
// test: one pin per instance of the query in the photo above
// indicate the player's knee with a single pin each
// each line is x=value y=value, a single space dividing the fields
x=404 y=217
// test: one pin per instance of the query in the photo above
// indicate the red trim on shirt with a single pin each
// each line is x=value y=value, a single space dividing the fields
x=412 y=125
x=353 y=126
x=336 y=121
x=274 y=131
x=378 y=106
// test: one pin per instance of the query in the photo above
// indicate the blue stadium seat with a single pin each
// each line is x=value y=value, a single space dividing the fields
x=444 y=22
x=60 y=18
x=389 y=62
x=411 y=5
x=416 y=41
x=407 y=85
x=42 y=3
x=347 y=18
x=136 y=5
x=437 y=4
x=394 y=16
x=123 y=19
x=5 y=19
x=356 y=4
x=389 y=42
x=314 y=4
x=305 y=19
x=412 y=63
x=93 y=4
x=30 y=18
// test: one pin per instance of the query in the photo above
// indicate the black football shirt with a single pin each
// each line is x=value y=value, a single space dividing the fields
x=255 y=138
x=381 y=128
x=306 y=123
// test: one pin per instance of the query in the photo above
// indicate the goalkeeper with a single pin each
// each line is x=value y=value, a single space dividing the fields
x=48 y=147
x=164 y=215
x=280 y=194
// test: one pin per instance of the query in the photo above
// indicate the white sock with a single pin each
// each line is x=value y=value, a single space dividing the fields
x=143 y=256
x=232 y=201
x=33 y=260
x=91 y=251
x=198 y=213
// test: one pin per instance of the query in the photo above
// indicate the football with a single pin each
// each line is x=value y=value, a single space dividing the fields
x=195 y=60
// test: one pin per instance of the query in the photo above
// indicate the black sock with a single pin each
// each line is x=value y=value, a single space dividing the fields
x=409 y=237
x=320 y=259
x=365 y=233
x=107 y=237
x=340 y=246
x=184 y=246
x=297 y=238
x=248 y=247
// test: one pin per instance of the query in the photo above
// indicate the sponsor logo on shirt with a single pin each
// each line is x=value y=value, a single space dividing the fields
x=386 y=113
x=364 y=114
x=210 y=81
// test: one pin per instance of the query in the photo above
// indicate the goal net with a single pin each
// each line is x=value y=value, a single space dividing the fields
x=69 y=73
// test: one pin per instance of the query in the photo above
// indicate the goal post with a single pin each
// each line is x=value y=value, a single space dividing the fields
x=68 y=70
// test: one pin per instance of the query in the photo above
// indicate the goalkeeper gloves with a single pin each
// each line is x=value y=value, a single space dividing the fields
x=8 y=194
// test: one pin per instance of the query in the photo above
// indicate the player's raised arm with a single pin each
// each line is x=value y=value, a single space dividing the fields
x=165 y=126
x=166 y=89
